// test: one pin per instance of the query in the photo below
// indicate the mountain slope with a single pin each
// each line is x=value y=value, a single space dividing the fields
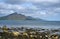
x=16 y=16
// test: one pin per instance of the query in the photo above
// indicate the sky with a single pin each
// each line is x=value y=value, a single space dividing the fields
x=43 y=9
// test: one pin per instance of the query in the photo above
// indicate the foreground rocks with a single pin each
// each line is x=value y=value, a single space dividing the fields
x=28 y=33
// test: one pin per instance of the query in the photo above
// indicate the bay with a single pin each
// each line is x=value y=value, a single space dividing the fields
x=30 y=23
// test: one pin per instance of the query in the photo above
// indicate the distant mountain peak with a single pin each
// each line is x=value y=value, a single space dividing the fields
x=16 y=16
x=15 y=13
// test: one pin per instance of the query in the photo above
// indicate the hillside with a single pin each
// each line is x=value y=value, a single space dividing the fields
x=15 y=16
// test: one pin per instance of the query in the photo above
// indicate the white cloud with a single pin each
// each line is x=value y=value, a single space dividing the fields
x=6 y=9
x=10 y=6
x=57 y=10
x=30 y=9
x=17 y=6
x=5 y=12
x=38 y=1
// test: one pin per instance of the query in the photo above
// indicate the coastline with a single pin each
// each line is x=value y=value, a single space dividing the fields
x=34 y=32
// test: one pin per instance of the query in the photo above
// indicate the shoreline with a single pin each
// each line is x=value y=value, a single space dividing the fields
x=34 y=26
x=23 y=31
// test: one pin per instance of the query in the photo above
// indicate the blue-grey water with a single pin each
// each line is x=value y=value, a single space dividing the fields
x=30 y=23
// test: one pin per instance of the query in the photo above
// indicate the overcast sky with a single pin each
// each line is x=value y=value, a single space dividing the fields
x=44 y=9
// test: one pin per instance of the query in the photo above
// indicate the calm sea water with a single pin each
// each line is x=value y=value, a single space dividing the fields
x=30 y=23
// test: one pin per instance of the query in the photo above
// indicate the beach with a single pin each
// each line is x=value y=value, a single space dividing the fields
x=28 y=33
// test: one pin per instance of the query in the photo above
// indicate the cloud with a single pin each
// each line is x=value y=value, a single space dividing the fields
x=17 y=6
x=35 y=8
x=43 y=1
x=10 y=6
x=5 y=12
x=34 y=1
x=7 y=8
x=28 y=9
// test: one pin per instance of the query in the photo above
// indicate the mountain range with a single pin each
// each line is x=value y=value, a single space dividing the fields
x=16 y=16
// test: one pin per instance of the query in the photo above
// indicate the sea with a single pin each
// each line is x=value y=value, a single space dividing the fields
x=31 y=24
